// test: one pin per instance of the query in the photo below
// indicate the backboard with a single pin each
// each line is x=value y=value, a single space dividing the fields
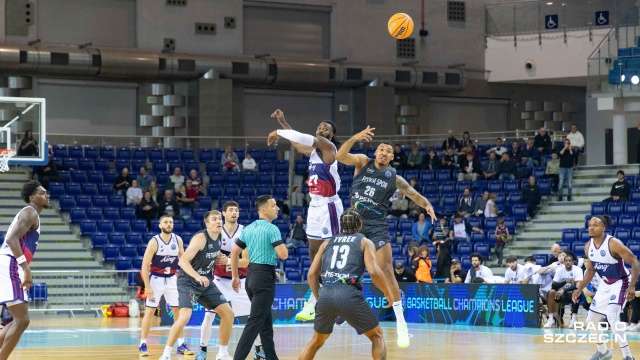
x=17 y=117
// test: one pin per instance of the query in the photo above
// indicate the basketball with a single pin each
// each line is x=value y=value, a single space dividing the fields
x=400 y=26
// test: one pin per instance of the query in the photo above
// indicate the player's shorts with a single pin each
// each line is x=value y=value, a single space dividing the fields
x=11 y=276
x=163 y=286
x=609 y=294
x=377 y=230
x=347 y=302
x=323 y=221
x=191 y=292
x=240 y=302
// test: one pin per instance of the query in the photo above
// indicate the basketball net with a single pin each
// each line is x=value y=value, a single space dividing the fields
x=5 y=155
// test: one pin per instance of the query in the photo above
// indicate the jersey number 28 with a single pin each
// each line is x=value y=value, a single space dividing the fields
x=344 y=253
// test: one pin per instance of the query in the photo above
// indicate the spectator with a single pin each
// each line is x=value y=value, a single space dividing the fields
x=168 y=205
x=466 y=204
x=183 y=199
x=498 y=149
x=502 y=237
x=619 y=190
x=555 y=254
x=565 y=281
x=431 y=161
x=148 y=208
x=478 y=271
x=49 y=173
x=297 y=235
x=456 y=274
x=442 y=233
x=466 y=141
x=566 y=170
x=553 y=171
x=469 y=149
x=134 y=194
x=144 y=178
x=531 y=197
x=515 y=272
x=28 y=145
x=196 y=182
x=403 y=274
x=508 y=167
x=461 y=231
x=635 y=306
x=491 y=169
x=414 y=162
x=421 y=230
x=413 y=250
x=491 y=210
x=421 y=265
x=249 y=163
x=450 y=142
x=192 y=192
x=176 y=180
x=153 y=189
x=481 y=204
x=515 y=153
x=530 y=155
x=449 y=160
x=122 y=183
x=577 y=143
x=399 y=207
x=444 y=260
x=542 y=142
x=229 y=160
x=399 y=158
x=470 y=168
x=297 y=197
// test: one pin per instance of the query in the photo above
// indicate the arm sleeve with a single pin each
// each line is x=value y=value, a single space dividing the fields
x=295 y=136
x=275 y=237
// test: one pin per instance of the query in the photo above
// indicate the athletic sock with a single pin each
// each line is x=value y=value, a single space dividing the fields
x=397 y=309
x=143 y=341
x=180 y=341
x=167 y=350
x=223 y=349
x=626 y=351
x=312 y=299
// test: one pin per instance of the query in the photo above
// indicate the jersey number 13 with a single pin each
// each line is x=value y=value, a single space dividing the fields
x=344 y=253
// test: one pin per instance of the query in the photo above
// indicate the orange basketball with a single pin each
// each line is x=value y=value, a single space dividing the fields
x=400 y=26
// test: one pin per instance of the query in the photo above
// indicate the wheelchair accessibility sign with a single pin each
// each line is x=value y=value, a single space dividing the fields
x=602 y=18
x=551 y=22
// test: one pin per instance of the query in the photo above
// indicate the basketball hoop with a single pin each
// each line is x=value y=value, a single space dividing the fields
x=5 y=155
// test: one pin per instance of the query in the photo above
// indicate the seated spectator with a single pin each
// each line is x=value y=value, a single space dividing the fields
x=414 y=161
x=491 y=210
x=508 y=168
x=192 y=191
x=144 y=178
x=183 y=198
x=153 y=189
x=515 y=153
x=565 y=281
x=399 y=158
x=478 y=272
x=466 y=142
x=515 y=272
x=555 y=254
x=399 y=207
x=491 y=169
x=148 y=208
x=134 y=194
x=414 y=210
x=431 y=161
x=249 y=163
x=619 y=190
x=502 y=237
x=168 y=205
x=553 y=172
x=461 y=231
x=49 y=173
x=229 y=160
x=577 y=143
x=530 y=155
x=297 y=197
x=444 y=260
x=469 y=168
x=456 y=274
x=411 y=253
x=421 y=230
x=196 y=182
x=297 y=235
x=122 y=183
x=481 y=204
x=542 y=142
x=176 y=180
x=498 y=149
x=469 y=149
x=531 y=196
x=449 y=160
x=442 y=233
x=466 y=204
x=451 y=142
x=28 y=145
x=421 y=265
x=403 y=274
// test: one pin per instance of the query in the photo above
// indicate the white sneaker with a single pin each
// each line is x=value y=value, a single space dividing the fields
x=572 y=323
x=550 y=323
x=633 y=327
x=165 y=357
x=403 y=336
x=224 y=356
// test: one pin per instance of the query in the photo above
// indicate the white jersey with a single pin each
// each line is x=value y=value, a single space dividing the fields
x=164 y=262
x=324 y=181
x=608 y=267
x=28 y=242
x=514 y=276
x=482 y=272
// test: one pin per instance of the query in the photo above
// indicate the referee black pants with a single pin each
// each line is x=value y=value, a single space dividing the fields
x=261 y=288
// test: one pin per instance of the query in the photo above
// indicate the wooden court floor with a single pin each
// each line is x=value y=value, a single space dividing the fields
x=115 y=339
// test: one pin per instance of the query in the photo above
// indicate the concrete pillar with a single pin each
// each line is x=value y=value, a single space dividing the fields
x=619 y=139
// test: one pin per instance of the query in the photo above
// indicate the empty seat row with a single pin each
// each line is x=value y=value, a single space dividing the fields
x=615 y=208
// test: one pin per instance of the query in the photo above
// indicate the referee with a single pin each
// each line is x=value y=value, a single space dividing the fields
x=265 y=245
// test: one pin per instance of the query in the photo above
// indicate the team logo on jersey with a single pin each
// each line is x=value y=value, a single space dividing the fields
x=603 y=253
x=325 y=230
x=173 y=246
x=387 y=174
x=380 y=243
x=210 y=246
x=613 y=297
x=371 y=171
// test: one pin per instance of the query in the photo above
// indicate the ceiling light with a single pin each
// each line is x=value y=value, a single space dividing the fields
x=635 y=80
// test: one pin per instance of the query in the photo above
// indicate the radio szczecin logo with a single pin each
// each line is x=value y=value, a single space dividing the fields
x=587 y=337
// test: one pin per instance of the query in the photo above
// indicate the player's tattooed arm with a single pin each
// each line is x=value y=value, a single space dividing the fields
x=414 y=195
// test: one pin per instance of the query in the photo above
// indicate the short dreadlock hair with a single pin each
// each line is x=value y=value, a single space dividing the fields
x=29 y=189
x=350 y=221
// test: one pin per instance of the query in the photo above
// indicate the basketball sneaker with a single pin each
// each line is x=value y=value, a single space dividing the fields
x=308 y=313
x=165 y=357
x=183 y=349
x=224 y=356
x=143 y=350
x=629 y=358
x=201 y=355
x=260 y=355
x=598 y=356
x=403 y=336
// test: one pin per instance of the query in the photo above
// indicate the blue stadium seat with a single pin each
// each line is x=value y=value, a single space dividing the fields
x=232 y=178
x=565 y=246
x=248 y=178
x=510 y=223
x=495 y=186
x=173 y=164
x=263 y=190
x=178 y=225
x=265 y=166
x=281 y=178
x=86 y=165
x=105 y=226
x=56 y=189
x=139 y=226
x=94 y=214
x=482 y=248
x=283 y=225
x=614 y=209
x=292 y=263
x=490 y=224
x=598 y=208
x=65 y=175
x=465 y=261
x=430 y=188
x=214 y=191
x=77 y=214
x=123 y=226
x=443 y=175
x=270 y=154
x=450 y=203
x=634 y=246
x=83 y=201
x=407 y=238
x=109 y=177
x=191 y=165
x=193 y=226
x=123 y=263
x=212 y=167
x=569 y=235
x=38 y=292
x=71 y=163
x=67 y=202
x=265 y=178
x=123 y=154
x=635 y=234
x=116 y=201
x=129 y=250
x=244 y=202
x=88 y=227
x=281 y=166
x=539 y=172
x=159 y=166
x=393 y=225
x=155 y=154
x=514 y=198
x=396 y=249
x=137 y=262
x=111 y=214
x=142 y=248
x=280 y=192
x=634 y=196
x=306 y=263
x=583 y=235
x=187 y=155
x=294 y=275
x=171 y=154
x=137 y=164
x=230 y=190
x=205 y=155
x=101 y=164
x=135 y=238
x=96 y=178
x=511 y=186
x=465 y=249
x=545 y=186
x=405 y=226
x=541 y=259
x=480 y=186
x=60 y=151
x=632 y=208
x=426 y=175
x=139 y=154
x=623 y=235
x=128 y=213
x=121 y=164
x=105 y=189
x=73 y=189
x=90 y=189
x=91 y=152
x=99 y=240
x=626 y=221
x=477 y=237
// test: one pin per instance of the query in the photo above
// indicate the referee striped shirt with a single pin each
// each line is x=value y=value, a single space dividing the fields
x=261 y=237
